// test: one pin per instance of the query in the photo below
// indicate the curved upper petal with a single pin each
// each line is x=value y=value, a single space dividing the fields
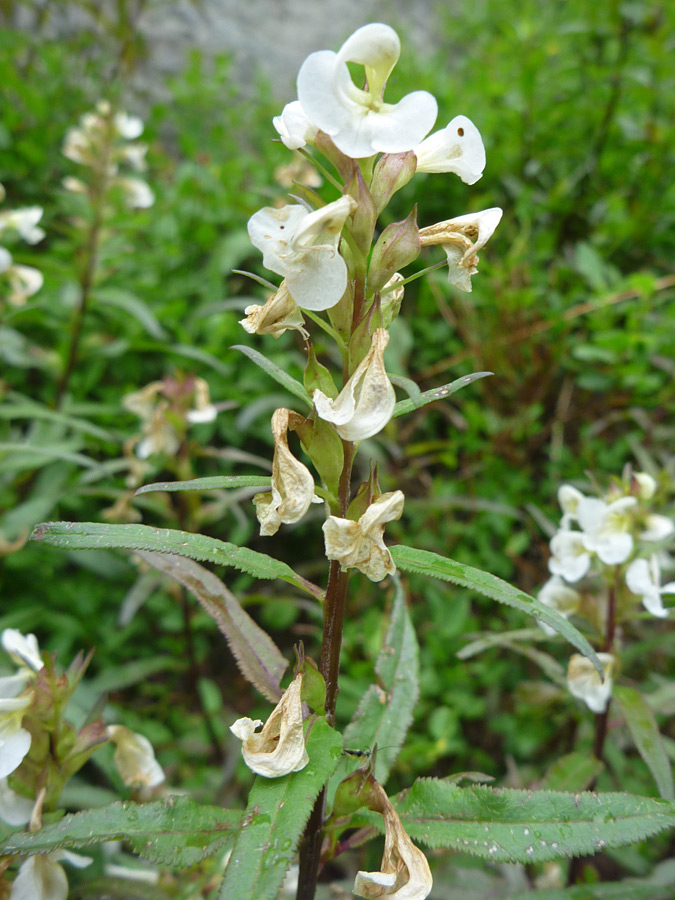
x=457 y=148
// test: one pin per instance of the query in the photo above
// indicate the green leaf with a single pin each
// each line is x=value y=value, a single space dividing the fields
x=439 y=393
x=20 y=407
x=572 y=772
x=134 y=306
x=257 y=656
x=426 y=563
x=215 y=483
x=175 y=831
x=277 y=811
x=92 y=535
x=659 y=886
x=525 y=826
x=283 y=378
x=410 y=387
x=386 y=709
x=645 y=733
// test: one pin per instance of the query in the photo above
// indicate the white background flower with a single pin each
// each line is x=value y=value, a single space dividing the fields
x=644 y=579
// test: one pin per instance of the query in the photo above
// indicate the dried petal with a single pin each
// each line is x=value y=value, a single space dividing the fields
x=585 y=683
x=292 y=483
x=462 y=238
x=279 y=748
x=404 y=871
x=135 y=758
x=360 y=545
x=366 y=402
x=279 y=314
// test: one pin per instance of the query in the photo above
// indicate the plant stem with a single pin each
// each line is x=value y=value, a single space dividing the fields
x=601 y=719
x=329 y=666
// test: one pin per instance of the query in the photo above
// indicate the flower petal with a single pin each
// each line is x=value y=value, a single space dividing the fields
x=457 y=148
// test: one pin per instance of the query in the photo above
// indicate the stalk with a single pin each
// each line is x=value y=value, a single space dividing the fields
x=329 y=666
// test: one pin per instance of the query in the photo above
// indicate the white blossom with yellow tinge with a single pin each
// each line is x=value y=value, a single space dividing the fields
x=585 y=683
x=15 y=740
x=292 y=483
x=302 y=247
x=360 y=545
x=135 y=758
x=366 y=402
x=277 y=316
x=404 y=872
x=461 y=238
x=279 y=747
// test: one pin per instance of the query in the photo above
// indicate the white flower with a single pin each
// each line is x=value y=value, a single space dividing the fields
x=135 y=758
x=128 y=127
x=23 y=649
x=294 y=127
x=15 y=741
x=24 y=281
x=457 y=148
x=366 y=402
x=292 y=483
x=279 y=314
x=644 y=579
x=585 y=683
x=137 y=193
x=360 y=545
x=657 y=528
x=462 y=238
x=568 y=498
x=570 y=557
x=556 y=594
x=646 y=485
x=203 y=410
x=40 y=877
x=358 y=121
x=279 y=748
x=14 y=809
x=25 y=222
x=606 y=527
x=404 y=871
x=302 y=247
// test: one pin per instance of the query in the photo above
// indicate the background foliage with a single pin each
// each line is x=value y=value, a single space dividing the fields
x=573 y=311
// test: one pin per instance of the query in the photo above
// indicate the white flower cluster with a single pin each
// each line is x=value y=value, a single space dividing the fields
x=105 y=140
x=619 y=529
x=24 y=281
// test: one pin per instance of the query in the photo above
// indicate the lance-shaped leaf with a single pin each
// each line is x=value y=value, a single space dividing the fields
x=572 y=772
x=275 y=818
x=213 y=483
x=526 y=826
x=175 y=831
x=94 y=536
x=426 y=563
x=439 y=393
x=280 y=375
x=257 y=656
x=645 y=733
x=386 y=709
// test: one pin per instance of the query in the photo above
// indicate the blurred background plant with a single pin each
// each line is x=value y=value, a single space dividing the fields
x=573 y=311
